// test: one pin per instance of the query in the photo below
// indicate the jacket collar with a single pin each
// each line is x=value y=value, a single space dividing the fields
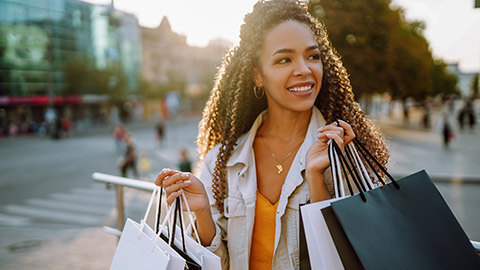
x=243 y=152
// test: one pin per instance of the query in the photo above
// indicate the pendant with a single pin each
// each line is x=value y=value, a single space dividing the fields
x=279 y=168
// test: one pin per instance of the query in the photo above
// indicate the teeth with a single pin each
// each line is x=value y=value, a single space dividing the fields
x=300 y=89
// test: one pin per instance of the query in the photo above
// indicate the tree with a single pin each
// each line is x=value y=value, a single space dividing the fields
x=82 y=77
x=475 y=85
x=380 y=49
x=77 y=74
x=409 y=72
x=360 y=32
x=443 y=81
x=152 y=90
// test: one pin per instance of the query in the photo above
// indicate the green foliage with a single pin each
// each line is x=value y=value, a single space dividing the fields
x=152 y=89
x=82 y=77
x=443 y=81
x=380 y=49
x=475 y=85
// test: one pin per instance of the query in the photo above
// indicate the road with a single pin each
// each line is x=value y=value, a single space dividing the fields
x=46 y=189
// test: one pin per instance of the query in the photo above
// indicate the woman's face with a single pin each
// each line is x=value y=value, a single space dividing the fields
x=290 y=68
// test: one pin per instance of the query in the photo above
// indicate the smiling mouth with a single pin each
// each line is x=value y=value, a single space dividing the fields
x=300 y=89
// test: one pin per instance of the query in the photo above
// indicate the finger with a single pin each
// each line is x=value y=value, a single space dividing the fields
x=335 y=132
x=172 y=196
x=177 y=186
x=337 y=139
x=175 y=178
x=349 y=133
x=165 y=173
x=331 y=127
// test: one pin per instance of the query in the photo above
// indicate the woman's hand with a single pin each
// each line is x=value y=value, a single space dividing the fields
x=173 y=181
x=317 y=161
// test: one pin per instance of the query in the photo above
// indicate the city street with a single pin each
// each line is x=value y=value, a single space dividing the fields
x=52 y=213
x=47 y=195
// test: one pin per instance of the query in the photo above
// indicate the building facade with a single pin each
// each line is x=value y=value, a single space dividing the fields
x=464 y=79
x=170 y=64
x=37 y=40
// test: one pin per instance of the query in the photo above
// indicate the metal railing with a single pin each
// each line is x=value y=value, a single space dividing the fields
x=120 y=182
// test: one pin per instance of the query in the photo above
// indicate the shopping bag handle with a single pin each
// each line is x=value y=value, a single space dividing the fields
x=337 y=175
x=365 y=176
x=159 y=210
x=178 y=211
x=356 y=164
x=384 y=170
x=150 y=203
x=344 y=164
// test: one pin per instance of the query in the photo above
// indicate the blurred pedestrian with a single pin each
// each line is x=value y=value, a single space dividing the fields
x=426 y=116
x=12 y=129
x=467 y=115
x=66 y=126
x=118 y=134
x=57 y=133
x=470 y=113
x=160 y=132
x=447 y=131
x=185 y=164
x=130 y=157
x=461 y=118
x=50 y=119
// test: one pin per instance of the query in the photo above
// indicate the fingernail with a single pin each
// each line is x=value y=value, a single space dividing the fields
x=187 y=182
x=184 y=175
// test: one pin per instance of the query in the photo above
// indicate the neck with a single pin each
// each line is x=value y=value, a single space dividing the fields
x=285 y=126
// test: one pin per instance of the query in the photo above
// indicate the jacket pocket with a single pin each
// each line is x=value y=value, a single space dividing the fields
x=234 y=207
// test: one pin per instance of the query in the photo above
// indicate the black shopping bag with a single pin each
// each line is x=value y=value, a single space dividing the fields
x=345 y=250
x=304 y=258
x=405 y=225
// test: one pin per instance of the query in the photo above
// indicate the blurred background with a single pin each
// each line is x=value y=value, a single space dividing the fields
x=85 y=86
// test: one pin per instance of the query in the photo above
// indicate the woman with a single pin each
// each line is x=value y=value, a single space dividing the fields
x=263 y=138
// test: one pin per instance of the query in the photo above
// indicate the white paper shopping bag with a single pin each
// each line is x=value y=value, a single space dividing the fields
x=137 y=249
x=321 y=248
x=140 y=248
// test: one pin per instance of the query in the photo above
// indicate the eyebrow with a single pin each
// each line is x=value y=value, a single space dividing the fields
x=314 y=47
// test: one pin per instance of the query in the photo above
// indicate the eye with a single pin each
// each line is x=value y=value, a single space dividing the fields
x=315 y=56
x=283 y=60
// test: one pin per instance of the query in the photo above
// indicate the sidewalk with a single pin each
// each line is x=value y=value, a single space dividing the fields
x=414 y=148
x=84 y=249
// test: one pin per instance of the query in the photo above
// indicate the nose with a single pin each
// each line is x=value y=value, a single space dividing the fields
x=302 y=69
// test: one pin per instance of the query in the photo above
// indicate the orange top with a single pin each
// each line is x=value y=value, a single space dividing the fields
x=263 y=235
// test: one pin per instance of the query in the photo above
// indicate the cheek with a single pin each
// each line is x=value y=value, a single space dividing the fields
x=319 y=73
x=276 y=79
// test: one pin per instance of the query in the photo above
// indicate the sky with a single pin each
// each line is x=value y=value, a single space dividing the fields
x=452 y=26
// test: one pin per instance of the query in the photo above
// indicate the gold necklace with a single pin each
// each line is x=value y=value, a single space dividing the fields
x=279 y=164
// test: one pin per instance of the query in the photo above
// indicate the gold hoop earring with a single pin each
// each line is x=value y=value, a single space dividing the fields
x=258 y=92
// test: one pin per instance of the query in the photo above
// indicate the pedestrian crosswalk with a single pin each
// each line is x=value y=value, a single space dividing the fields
x=88 y=206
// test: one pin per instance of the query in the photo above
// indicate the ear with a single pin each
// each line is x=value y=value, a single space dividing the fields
x=257 y=77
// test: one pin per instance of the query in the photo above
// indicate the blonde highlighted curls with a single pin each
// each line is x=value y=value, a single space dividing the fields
x=232 y=107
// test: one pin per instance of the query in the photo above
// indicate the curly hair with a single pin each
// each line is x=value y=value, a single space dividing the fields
x=232 y=107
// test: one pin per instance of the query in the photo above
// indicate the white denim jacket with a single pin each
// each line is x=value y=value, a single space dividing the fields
x=234 y=227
